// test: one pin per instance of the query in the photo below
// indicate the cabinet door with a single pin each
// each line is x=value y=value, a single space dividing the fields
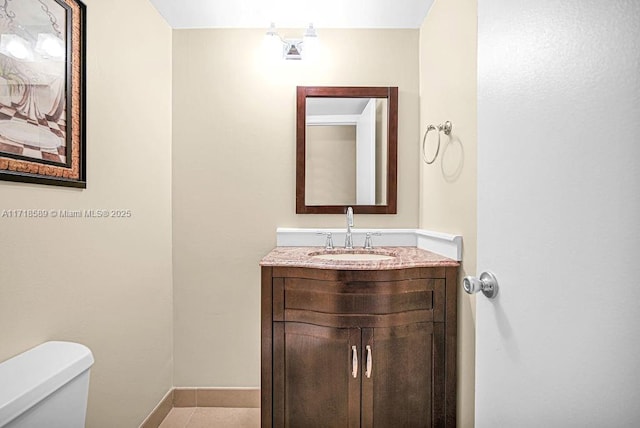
x=403 y=376
x=313 y=376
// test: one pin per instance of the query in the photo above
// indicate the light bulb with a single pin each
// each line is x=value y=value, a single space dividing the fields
x=17 y=50
x=15 y=46
x=50 y=45
x=53 y=48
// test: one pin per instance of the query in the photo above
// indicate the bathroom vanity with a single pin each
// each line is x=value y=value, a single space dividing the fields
x=358 y=338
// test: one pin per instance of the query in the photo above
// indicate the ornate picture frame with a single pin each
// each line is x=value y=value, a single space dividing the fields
x=42 y=92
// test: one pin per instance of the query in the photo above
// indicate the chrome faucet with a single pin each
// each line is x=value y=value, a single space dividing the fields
x=348 y=239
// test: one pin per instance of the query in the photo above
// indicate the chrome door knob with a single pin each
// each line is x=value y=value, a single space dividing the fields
x=487 y=283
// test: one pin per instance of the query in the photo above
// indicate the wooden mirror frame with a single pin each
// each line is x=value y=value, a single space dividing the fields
x=391 y=94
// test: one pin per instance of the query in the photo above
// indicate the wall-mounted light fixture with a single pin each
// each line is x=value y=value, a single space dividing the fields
x=16 y=47
x=295 y=49
x=48 y=46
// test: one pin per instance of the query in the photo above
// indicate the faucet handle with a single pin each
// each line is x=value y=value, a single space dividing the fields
x=368 y=245
x=328 y=245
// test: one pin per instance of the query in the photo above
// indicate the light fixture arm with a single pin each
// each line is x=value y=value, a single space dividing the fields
x=272 y=32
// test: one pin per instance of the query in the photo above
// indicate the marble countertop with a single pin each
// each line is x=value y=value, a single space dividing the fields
x=403 y=257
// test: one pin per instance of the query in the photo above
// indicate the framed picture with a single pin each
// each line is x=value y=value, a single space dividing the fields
x=42 y=92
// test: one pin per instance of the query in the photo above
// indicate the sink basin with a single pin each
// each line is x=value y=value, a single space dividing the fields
x=352 y=256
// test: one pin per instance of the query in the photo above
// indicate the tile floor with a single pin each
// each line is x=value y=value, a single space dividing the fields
x=201 y=417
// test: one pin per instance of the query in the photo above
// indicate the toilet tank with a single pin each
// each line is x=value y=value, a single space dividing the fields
x=46 y=386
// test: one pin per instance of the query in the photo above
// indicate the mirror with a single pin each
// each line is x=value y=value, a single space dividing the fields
x=346 y=149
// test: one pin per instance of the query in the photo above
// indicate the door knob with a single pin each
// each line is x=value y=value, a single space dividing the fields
x=487 y=283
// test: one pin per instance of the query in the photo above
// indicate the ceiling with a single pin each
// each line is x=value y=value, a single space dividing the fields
x=293 y=13
x=336 y=106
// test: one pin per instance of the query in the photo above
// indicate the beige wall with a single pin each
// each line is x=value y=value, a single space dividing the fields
x=448 y=91
x=330 y=165
x=234 y=177
x=104 y=282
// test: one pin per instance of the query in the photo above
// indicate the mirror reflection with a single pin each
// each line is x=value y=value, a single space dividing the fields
x=346 y=149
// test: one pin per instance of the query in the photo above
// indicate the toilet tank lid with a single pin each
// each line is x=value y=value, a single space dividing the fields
x=31 y=376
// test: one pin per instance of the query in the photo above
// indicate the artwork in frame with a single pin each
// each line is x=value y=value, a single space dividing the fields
x=42 y=92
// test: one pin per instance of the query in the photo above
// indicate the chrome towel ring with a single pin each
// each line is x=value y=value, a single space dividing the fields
x=424 y=140
x=446 y=128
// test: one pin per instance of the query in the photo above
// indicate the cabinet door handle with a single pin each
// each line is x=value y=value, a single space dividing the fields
x=354 y=362
x=369 y=362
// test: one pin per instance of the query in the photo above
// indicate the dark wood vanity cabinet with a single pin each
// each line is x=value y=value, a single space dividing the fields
x=358 y=348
